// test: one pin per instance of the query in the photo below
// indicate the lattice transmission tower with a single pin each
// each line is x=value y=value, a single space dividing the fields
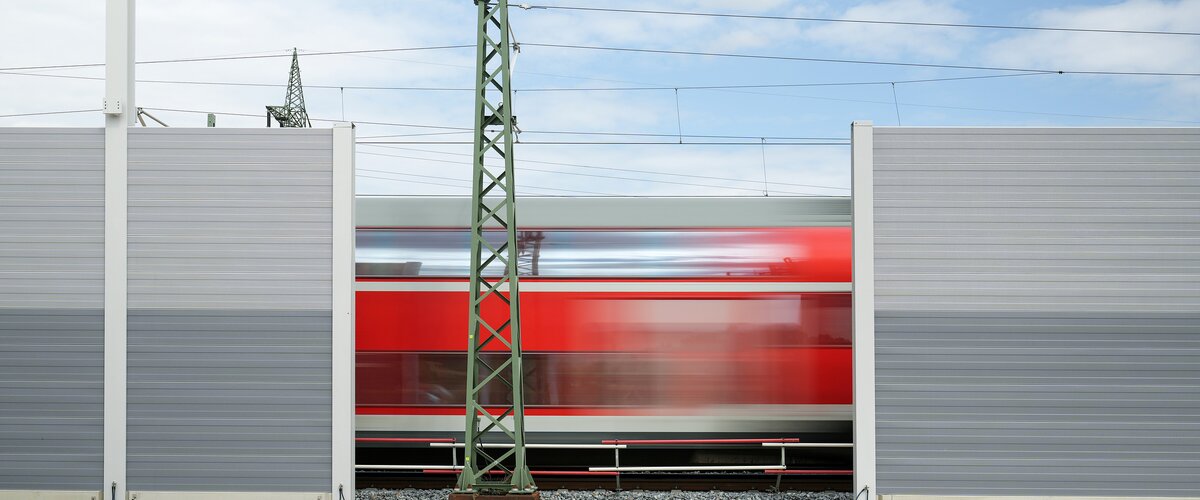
x=495 y=312
x=292 y=113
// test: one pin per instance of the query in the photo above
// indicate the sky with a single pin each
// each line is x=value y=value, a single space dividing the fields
x=48 y=32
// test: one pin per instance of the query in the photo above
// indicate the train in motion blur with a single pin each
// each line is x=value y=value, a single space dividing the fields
x=641 y=317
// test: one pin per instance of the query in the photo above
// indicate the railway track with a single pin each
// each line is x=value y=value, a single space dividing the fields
x=720 y=464
x=629 y=481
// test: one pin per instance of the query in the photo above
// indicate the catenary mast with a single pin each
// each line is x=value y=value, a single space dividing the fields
x=495 y=319
x=292 y=113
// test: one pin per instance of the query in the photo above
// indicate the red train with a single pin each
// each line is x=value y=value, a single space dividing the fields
x=641 y=316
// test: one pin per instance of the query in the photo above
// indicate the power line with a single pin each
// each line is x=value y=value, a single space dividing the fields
x=243 y=84
x=725 y=88
x=467 y=129
x=418 y=135
x=235 y=58
x=407 y=180
x=863 y=21
x=50 y=113
x=698 y=136
x=779 y=85
x=528 y=169
x=850 y=61
x=410 y=181
x=935 y=106
x=390 y=172
x=44 y=75
x=552 y=89
x=965 y=108
x=389 y=124
x=619 y=143
x=642 y=134
x=617 y=169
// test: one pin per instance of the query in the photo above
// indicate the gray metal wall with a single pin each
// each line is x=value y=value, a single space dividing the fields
x=51 y=308
x=229 y=310
x=1038 y=311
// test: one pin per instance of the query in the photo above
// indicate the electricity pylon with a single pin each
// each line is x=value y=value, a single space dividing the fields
x=494 y=275
x=292 y=113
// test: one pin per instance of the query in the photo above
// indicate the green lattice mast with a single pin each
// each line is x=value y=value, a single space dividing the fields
x=292 y=113
x=494 y=274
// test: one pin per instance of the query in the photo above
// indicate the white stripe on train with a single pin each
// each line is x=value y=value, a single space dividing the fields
x=614 y=286
x=740 y=418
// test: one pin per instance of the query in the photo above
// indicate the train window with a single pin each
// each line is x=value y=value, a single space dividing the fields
x=616 y=379
x=811 y=254
x=562 y=379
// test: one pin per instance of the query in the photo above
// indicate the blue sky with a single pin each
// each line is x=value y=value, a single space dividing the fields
x=65 y=31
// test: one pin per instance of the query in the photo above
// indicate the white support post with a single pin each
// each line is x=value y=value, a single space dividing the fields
x=343 y=311
x=118 y=115
x=862 y=194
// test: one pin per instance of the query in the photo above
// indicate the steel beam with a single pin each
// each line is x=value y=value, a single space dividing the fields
x=342 y=374
x=863 y=289
x=119 y=113
x=494 y=305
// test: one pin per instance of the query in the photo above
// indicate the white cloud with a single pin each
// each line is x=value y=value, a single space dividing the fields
x=595 y=111
x=666 y=31
x=60 y=31
x=882 y=40
x=71 y=31
x=1112 y=52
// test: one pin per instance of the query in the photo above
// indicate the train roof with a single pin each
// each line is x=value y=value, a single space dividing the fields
x=614 y=212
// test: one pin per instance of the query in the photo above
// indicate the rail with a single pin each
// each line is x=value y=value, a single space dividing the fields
x=686 y=468
x=535 y=445
x=534 y=472
x=700 y=441
x=810 y=445
x=402 y=440
x=778 y=470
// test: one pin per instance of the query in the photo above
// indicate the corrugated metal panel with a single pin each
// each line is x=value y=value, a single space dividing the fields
x=229 y=400
x=229 y=310
x=230 y=219
x=1038 y=311
x=51 y=308
x=618 y=212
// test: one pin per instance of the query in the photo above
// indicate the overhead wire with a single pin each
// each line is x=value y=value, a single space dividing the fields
x=244 y=84
x=726 y=88
x=523 y=185
x=851 y=61
x=964 y=108
x=698 y=136
x=42 y=113
x=549 y=89
x=1016 y=72
x=523 y=71
x=621 y=143
x=617 y=169
x=529 y=169
x=411 y=181
x=730 y=89
x=861 y=21
x=453 y=132
x=243 y=57
x=778 y=85
x=647 y=134
x=317 y=119
x=469 y=129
